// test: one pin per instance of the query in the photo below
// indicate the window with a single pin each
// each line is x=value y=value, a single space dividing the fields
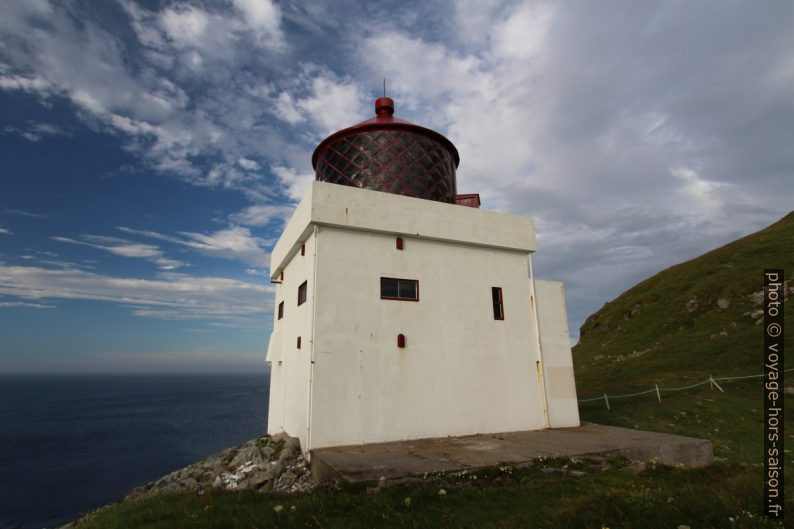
x=498 y=306
x=303 y=248
x=281 y=310
x=299 y=342
x=302 y=293
x=399 y=243
x=400 y=289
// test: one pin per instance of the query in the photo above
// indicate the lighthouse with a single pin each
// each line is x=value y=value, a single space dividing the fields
x=403 y=309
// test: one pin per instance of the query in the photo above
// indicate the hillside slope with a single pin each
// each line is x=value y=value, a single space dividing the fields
x=695 y=319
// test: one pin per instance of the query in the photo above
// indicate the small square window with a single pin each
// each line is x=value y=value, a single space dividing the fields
x=399 y=289
x=281 y=310
x=302 y=293
x=498 y=305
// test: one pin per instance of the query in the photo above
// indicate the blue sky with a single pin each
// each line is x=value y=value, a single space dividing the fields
x=152 y=150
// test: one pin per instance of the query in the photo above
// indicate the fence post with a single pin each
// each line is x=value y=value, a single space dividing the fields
x=606 y=399
x=658 y=395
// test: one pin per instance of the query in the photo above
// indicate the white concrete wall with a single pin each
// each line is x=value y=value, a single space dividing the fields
x=461 y=372
x=555 y=344
x=291 y=367
x=328 y=204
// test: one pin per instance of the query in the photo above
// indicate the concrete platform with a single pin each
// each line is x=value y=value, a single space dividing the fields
x=364 y=463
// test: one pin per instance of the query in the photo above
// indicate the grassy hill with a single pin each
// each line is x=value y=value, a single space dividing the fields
x=693 y=320
x=690 y=321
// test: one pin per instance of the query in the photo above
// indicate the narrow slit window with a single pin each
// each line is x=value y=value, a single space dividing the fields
x=399 y=289
x=303 y=248
x=302 y=293
x=498 y=305
x=281 y=310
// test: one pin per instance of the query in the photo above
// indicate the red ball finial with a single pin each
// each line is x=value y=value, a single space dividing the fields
x=384 y=106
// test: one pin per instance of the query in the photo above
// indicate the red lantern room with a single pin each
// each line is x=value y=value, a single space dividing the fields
x=391 y=155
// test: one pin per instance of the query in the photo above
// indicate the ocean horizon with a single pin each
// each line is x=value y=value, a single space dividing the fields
x=70 y=443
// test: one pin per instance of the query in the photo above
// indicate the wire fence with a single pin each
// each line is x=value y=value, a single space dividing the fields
x=656 y=389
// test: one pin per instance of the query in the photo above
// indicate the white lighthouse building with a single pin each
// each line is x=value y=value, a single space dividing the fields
x=403 y=310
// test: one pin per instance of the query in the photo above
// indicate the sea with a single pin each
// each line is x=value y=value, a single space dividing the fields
x=71 y=443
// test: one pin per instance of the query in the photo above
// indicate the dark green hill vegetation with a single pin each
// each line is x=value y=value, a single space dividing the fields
x=693 y=320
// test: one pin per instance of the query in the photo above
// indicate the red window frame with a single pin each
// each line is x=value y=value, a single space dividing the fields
x=281 y=310
x=302 y=293
x=498 y=303
x=398 y=280
x=399 y=243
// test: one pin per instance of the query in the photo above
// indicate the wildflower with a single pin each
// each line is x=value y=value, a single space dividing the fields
x=407 y=502
x=278 y=508
x=442 y=492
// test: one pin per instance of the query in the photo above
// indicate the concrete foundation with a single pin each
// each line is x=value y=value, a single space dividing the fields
x=365 y=463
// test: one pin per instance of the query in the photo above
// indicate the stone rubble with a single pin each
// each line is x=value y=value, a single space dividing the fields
x=265 y=464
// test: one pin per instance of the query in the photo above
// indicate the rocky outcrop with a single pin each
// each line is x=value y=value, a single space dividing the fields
x=264 y=464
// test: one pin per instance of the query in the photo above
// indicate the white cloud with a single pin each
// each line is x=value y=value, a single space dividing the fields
x=189 y=297
x=36 y=130
x=140 y=89
x=261 y=215
x=523 y=33
x=24 y=304
x=249 y=165
x=263 y=16
x=234 y=242
x=285 y=109
x=296 y=183
x=36 y=83
x=125 y=248
x=332 y=104
x=23 y=213
x=4 y=231
x=185 y=25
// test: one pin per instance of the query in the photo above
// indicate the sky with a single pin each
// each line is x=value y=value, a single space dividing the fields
x=152 y=151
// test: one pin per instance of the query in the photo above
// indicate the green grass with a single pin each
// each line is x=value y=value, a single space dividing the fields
x=657 y=498
x=678 y=344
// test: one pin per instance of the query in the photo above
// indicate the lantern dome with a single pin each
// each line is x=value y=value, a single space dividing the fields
x=390 y=155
